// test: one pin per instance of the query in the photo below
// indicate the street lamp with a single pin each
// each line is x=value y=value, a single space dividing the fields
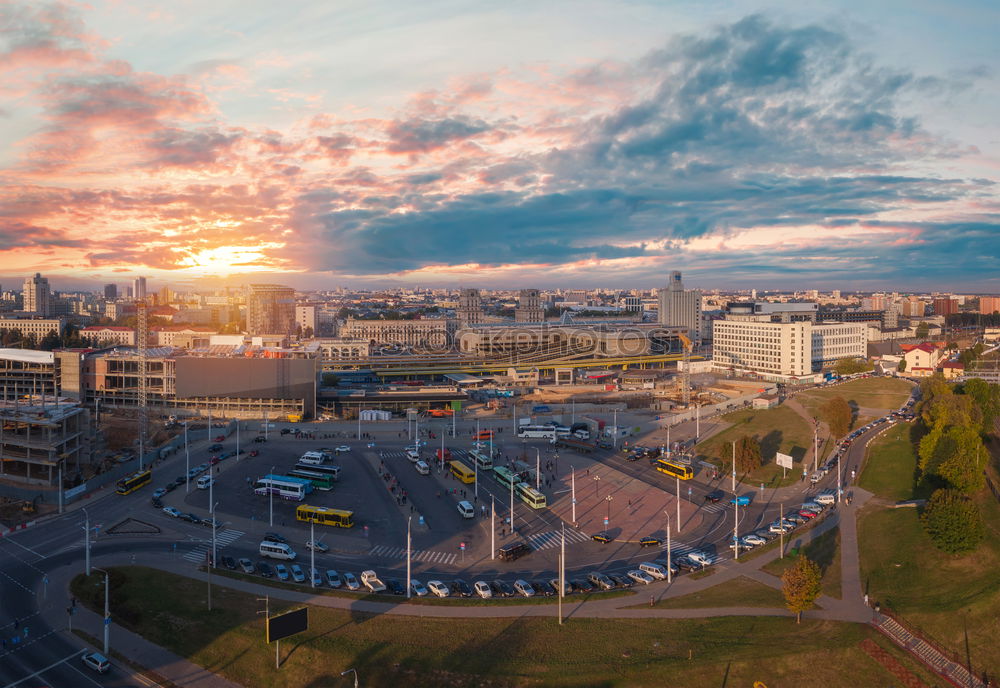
x=86 y=538
x=187 y=461
x=351 y=671
x=107 y=612
x=607 y=521
x=270 y=501
x=538 y=464
x=597 y=483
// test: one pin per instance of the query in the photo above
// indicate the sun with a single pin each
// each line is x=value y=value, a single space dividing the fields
x=226 y=260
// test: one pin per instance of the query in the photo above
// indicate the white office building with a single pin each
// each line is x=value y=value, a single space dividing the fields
x=780 y=351
x=37 y=296
x=680 y=307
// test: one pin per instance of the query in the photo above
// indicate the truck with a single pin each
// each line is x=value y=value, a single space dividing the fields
x=574 y=444
x=371 y=581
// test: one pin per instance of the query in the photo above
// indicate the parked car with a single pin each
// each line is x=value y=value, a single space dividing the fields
x=567 y=588
x=483 y=589
x=418 y=588
x=714 y=496
x=333 y=578
x=171 y=511
x=620 y=580
x=650 y=541
x=501 y=588
x=524 y=588
x=159 y=492
x=297 y=575
x=580 y=585
x=640 y=576
x=460 y=588
x=395 y=587
x=317 y=545
x=96 y=661
x=214 y=448
x=543 y=588
x=685 y=564
x=247 y=566
x=351 y=582
x=807 y=514
x=754 y=540
x=157 y=503
x=600 y=580
x=229 y=563
x=702 y=558
x=438 y=588
x=264 y=569
x=282 y=572
x=275 y=537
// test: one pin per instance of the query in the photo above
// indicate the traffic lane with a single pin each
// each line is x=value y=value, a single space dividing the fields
x=428 y=495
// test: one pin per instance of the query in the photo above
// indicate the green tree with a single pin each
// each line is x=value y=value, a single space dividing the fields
x=800 y=584
x=851 y=366
x=838 y=415
x=902 y=365
x=922 y=330
x=748 y=456
x=953 y=521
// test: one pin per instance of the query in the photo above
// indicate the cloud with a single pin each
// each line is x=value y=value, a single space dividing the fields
x=424 y=135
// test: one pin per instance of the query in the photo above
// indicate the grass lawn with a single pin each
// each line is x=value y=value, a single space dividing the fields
x=825 y=551
x=890 y=468
x=946 y=595
x=888 y=393
x=739 y=592
x=418 y=651
x=778 y=429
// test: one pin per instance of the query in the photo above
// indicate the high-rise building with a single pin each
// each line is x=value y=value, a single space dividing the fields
x=270 y=309
x=913 y=308
x=681 y=307
x=305 y=318
x=139 y=288
x=529 y=307
x=470 y=307
x=989 y=304
x=111 y=291
x=875 y=302
x=945 y=306
x=835 y=294
x=37 y=295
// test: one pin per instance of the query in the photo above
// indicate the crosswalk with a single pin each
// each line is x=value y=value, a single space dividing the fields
x=678 y=548
x=553 y=538
x=714 y=508
x=222 y=539
x=426 y=453
x=424 y=555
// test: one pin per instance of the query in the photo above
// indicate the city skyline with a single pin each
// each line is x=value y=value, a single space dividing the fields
x=827 y=146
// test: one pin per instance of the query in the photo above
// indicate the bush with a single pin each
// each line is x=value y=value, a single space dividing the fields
x=953 y=521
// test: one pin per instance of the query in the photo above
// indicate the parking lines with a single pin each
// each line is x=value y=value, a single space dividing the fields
x=424 y=555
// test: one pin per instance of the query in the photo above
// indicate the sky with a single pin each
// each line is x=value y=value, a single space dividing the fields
x=834 y=145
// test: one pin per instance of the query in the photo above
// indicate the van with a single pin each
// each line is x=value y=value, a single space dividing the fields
x=311 y=458
x=466 y=509
x=422 y=468
x=824 y=498
x=655 y=570
x=205 y=482
x=276 y=550
x=514 y=550
x=412 y=454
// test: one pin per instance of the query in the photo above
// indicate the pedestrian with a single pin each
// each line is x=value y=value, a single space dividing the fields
x=650 y=600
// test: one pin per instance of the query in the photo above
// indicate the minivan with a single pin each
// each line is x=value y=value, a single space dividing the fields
x=655 y=570
x=824 y=498
x=205 y=482
x=466 y=509
x=512 y=551
x=422 y=468
x=276 y=550
x=413 y=454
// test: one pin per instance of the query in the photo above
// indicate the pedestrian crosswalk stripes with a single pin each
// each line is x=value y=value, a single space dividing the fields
x=222 y=539
x=423 y=555
x=553 y=538
x=715 y=508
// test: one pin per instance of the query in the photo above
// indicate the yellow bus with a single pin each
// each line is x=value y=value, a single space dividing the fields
x=132 y=482
x=462 y=472
x=530 y=496
x=325 y=516
x=675 y=470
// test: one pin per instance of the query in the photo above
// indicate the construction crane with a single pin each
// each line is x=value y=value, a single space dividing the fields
x=686 y=373
x=142 y=337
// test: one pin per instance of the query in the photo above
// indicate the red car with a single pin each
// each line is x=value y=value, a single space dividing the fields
x=447 y=453
x=805 y=513
x=254 y=452
x=220 y=438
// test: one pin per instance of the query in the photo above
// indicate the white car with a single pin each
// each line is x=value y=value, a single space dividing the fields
x=333 y=578
x=754 y=540
x=96 y=661
x=483 y=589
x=317 y=579
x=159 y=492
x=700 y=558
x=438 y=588
x=640 y=576
x=523 y=587
x=351 y=582
x=776 y=527
x=171 y=511
x=317 y=545
x=342 y=448
x=418 y=588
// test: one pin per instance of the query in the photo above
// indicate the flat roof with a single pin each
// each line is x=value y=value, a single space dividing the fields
x=464 y=379
x=27 y=355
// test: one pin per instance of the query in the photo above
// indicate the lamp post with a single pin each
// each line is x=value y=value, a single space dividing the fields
x=615 y=438
x=493 y=528
x=538 y=465
x=351 y=671
x=211 y=564
x=597 y=486
x=86 y=539
x=270 y=502
x=312 y=553
x=107 y=612
x=409 y=546
x=669 y=558
x=187 y=461
x=572 y=475
x=678 y=505
x=607 y=521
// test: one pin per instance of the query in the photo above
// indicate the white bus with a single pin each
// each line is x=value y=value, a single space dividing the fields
x=481 y=458
x=546 y=432
x=283 y=486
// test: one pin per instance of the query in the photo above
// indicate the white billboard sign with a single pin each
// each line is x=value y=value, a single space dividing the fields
x=783 y=460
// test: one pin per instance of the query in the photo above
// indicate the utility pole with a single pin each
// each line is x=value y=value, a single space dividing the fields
x=538 y=474
x=312 y=553
x=678 y=505
x=562 y=572
x=493 y=528
x=669 y=558
x=572 y=473
x=409 y=554
x=86 y=539
x=107 y=613
x=187 y=461
x=142 y=334
x=734 y=466
x=511 y=507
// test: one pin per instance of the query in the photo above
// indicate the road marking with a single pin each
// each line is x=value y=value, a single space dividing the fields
x=424 y=555
x=42 y=671
x=26 y=549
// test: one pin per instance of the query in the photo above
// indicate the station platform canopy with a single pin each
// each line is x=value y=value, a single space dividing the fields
x=463 y=379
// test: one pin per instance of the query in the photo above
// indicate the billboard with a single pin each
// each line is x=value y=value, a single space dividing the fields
x=261 y=378
x=783 y=460
x=290 y=623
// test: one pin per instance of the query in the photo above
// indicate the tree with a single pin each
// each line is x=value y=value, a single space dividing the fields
x=748 y=455
x=801 y=586
x=953 y=521
x=922 y=330
x=851 y=366
x=838 y=415
x=902 y=365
